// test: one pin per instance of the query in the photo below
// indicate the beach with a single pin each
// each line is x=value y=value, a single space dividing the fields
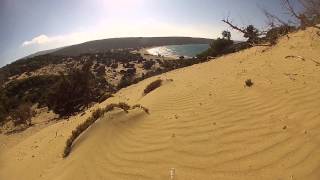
x=204 y=123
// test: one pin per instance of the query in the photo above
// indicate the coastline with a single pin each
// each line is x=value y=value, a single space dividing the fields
x=204 y=123
x=176 y=51
x=146 y=55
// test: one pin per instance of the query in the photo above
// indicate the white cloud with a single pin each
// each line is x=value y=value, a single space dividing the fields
x=42 y=39
x=114 y=29
x=45 y=41
x=120 y=28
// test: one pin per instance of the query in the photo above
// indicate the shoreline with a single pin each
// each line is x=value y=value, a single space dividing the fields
x=146 y=55
x=170 y=54
x=199 y=118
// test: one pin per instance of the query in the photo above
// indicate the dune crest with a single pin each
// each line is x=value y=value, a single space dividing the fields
x=204 y=122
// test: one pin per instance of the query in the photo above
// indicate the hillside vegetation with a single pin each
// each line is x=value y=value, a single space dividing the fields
x=69 y=84
x=206 y=122
x=125 y=43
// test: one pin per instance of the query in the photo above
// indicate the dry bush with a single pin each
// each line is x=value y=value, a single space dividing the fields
x=152 y=86
x=248 y=82
x=110 y=107
x=146 y=110
x=92 y=119
x=22 y=114
x=124 y=106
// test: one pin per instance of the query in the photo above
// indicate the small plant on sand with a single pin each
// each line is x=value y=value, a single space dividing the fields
x=248 y=82
x=152 y=86
x=23 y=114
x=140 y=107
x=124 y=106
x=93 y=118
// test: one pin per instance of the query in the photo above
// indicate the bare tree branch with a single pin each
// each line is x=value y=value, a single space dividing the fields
x=310 y=10
x=273 y=19
x=253 y=36
x=288 y=5
x=312 y=7
x=233 y=26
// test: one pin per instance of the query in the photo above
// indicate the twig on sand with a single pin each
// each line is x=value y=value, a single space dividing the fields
x=300 y=57
x=303 y=59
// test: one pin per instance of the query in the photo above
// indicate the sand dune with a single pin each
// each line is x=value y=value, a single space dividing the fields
x=205 y=123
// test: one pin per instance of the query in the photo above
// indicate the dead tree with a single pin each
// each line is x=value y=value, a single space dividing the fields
x=312 y=7
x=310 y=15
x=273 y=20
x=249 y=32
x=233 y=26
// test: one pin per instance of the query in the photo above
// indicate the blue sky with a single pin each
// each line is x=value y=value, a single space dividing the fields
x=28 y=26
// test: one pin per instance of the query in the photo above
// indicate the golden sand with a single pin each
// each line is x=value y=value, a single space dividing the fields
x=205 y=124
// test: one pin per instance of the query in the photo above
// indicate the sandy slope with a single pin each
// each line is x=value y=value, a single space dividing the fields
x=204 y=123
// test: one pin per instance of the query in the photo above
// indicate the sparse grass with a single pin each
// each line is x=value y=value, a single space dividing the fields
x=249 y=83
x=141 y=107
x=93 y=118
x=124 y=106
x=152 y=86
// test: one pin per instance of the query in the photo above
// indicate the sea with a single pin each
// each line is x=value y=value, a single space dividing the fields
x=175 y=51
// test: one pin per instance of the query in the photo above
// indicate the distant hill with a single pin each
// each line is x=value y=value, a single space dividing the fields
x=204 y=122
x=42 y=53
x=132 y=42
x=55 y=56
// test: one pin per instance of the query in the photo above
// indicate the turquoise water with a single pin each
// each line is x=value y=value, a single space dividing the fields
x=175 y=51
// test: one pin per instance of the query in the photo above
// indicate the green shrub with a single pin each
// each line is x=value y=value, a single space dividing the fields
x=75 y=91
x=30 y=64
x=226 y=35
x=125 y=81
x=71 y=93
x=252 y=34
x=218 y=46
x=30 y=90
